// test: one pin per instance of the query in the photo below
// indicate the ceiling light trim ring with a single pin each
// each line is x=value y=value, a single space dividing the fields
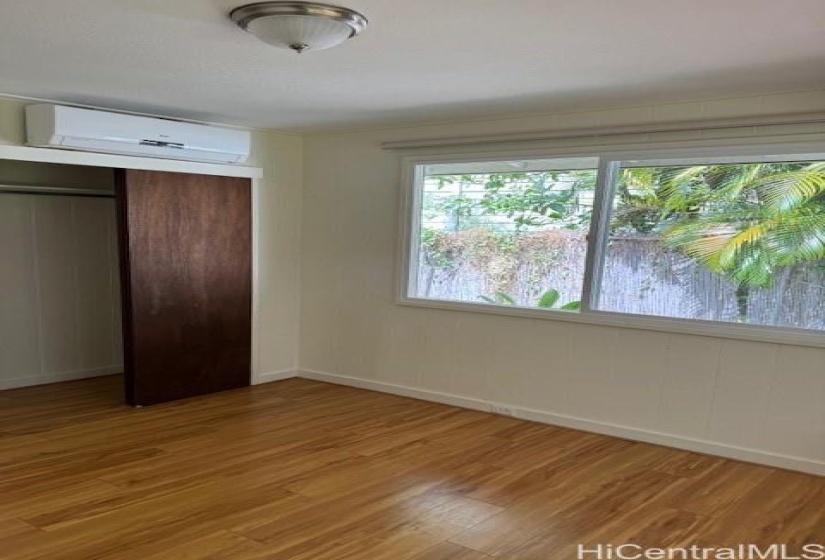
x=244 y=15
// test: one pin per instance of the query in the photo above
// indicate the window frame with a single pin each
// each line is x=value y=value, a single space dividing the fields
x=609 y=160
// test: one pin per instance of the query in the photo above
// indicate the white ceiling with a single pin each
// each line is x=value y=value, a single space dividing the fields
x=418 y=60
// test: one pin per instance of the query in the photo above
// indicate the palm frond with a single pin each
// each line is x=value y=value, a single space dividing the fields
x=789 y=190
x=797 y=238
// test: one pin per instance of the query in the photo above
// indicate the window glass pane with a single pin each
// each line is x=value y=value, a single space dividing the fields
x=734 y=242
x=504 y=233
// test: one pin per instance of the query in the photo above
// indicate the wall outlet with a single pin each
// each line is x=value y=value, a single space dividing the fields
x=503 y=410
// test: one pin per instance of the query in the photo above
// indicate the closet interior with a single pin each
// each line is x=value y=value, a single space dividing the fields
x=60 y=314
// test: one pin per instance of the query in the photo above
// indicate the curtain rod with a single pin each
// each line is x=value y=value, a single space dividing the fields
x=54 y=191
x=684 y=126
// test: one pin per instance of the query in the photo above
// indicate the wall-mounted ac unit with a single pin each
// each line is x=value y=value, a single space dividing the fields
x=71 y=128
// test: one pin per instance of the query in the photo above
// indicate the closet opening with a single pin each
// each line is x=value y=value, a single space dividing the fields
x=60 y=312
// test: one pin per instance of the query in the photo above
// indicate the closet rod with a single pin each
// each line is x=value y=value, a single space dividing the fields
x=54 y=191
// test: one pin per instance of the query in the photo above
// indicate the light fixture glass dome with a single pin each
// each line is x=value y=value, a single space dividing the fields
x=299 y=26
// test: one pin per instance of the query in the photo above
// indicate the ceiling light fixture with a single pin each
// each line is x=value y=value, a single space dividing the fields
x=300 y=26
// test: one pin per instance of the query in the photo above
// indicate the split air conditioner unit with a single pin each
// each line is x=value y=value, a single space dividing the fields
x=71 y=128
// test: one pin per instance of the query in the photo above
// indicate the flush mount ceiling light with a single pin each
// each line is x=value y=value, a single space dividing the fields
x=299 y=26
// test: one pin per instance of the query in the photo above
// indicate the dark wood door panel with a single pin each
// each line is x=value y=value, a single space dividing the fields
x=187 y=269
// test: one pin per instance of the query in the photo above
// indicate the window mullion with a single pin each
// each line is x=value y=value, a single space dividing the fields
x=411 y=204
x=597 y=237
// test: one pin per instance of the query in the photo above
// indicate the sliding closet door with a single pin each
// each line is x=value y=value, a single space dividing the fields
x=186 y=254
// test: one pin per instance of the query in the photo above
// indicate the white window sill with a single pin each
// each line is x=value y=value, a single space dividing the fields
x=758 y=333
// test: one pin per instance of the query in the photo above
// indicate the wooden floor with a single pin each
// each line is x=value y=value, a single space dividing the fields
x=309 y=471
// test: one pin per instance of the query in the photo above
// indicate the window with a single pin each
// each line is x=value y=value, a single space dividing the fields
x=736 y=240
x=507 y=233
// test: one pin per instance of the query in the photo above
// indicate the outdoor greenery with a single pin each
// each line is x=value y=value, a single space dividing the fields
x=548 y=300
x=747 y=223
x=528 y=199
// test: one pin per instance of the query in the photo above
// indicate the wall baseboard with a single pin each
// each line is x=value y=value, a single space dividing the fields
x=271 y=376
x=32 y=380
x=626 y=432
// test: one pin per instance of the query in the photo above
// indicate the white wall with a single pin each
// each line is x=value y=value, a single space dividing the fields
x=756 y=401
x=277 y=222
x=278 y=253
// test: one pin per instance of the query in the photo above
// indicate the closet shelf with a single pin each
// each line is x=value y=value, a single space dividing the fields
x=54 y=191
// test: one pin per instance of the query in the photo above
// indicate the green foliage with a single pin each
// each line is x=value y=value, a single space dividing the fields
x=744 y=222
x=500 y=298
x=437 y=249
x=640 y=207
x=548 y=300
x=528 y=199
x=753 y=220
